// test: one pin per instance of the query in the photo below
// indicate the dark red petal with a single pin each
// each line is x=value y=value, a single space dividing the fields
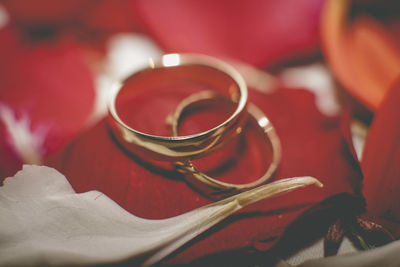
x=256 y=32
x=380 y=164
x=10 y=161
x=312 y=145
x=46 y=13
x=47 y=84
x=111 y=16
x=89 y=22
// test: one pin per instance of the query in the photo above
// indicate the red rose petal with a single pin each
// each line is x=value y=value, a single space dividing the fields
x=47 y=84
x=380 y=164
x=312 y=144
x=256 y=32
x=10 y=162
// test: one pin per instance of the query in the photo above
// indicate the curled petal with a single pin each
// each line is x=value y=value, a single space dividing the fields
x=58 y=223
x=362 y=54
x=380 y=164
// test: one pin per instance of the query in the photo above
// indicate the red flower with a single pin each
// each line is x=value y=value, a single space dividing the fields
x=312 y=145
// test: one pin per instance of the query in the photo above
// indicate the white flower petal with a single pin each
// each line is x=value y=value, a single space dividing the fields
x=44 y=222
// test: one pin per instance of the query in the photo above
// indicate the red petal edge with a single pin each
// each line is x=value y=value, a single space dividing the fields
x=380 y=164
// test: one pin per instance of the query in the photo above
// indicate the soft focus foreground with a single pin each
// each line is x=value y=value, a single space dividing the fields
x=58 y=61
x=75 y=229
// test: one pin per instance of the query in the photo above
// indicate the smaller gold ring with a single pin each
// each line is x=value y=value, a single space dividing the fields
x=208 y=185
x=169 y=71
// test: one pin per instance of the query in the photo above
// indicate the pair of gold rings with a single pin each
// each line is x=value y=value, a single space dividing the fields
x=224 y=84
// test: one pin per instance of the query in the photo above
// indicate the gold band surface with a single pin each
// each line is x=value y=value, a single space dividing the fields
x=207 y=184
x=209 y=71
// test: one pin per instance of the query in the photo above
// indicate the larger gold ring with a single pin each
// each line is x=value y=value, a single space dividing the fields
x=208 y=185
x=170 y=70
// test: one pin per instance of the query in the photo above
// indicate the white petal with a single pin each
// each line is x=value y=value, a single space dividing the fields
x=44 y=222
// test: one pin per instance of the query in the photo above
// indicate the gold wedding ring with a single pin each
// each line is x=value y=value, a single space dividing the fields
x=170 y=70
x=207 y=184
